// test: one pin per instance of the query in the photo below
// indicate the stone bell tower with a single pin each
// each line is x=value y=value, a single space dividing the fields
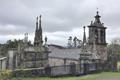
x=97 y=33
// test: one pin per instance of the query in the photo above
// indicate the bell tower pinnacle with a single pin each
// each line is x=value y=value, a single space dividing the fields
x=97 y=17
x=38 y=33
x=36 y=23
x=84 y=36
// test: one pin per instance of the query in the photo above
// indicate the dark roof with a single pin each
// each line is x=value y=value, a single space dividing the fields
x=70 y=53
x=57 y=46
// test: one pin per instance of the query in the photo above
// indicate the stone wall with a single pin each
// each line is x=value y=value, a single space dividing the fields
x=61 y=61
x=101 y=51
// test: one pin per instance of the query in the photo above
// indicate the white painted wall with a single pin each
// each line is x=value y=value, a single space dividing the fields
x=3 y=63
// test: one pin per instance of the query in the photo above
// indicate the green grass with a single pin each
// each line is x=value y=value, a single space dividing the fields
x=99 y=76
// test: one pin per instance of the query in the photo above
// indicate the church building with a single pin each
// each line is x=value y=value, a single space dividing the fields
x=41 y=55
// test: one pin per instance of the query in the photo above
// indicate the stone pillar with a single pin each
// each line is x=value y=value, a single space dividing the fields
x=11 y=55
x=0 y=65
x=104 y=36
x=99 y=37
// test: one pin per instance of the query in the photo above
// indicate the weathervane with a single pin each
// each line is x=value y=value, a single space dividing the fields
x=97 y=10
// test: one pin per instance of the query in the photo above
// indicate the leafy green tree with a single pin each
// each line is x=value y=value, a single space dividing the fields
x=10 y=44
x=114 y=53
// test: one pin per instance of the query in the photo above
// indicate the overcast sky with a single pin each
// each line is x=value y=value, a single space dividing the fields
x=60 y=18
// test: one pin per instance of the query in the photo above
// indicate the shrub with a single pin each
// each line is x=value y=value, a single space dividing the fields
x=28 y=72
x=5 y=75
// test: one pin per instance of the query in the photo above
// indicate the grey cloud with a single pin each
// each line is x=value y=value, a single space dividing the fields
x=57 y=15
x=15 y=13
